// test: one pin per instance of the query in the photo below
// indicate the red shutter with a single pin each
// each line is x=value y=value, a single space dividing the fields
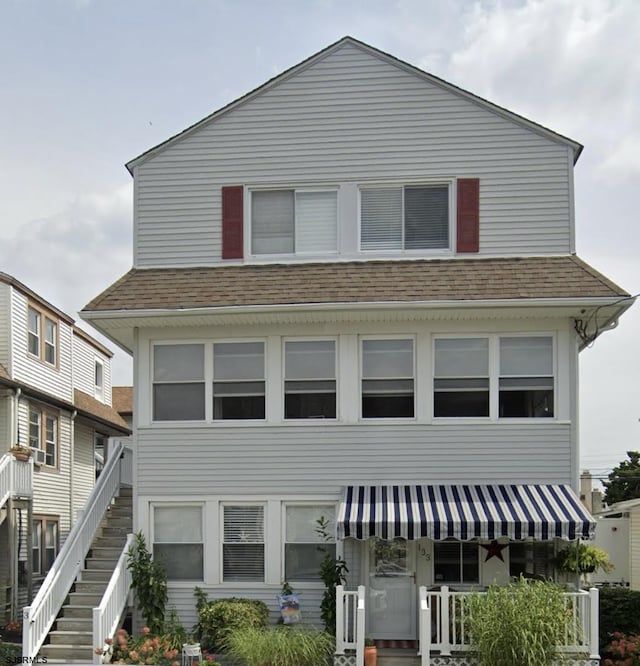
x=232 y=222
x=468 y=219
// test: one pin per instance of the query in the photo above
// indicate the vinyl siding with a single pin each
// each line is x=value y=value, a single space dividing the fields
x=83 y=465
x=30 y=370
x=5 y=325
x=634 y=548
x=353 y=118
x=84 y=358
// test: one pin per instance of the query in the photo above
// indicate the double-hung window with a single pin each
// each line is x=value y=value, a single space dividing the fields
x=178 y=382
x=178 y=541
x=98 y=379
x=409 y=217
x=243 y=543
x=455 y=562
x=44 y=544
x=42 y=336
x=310 y=379
x=387 y=378
x=461 y=377
x=43 y=434
x=288 y=221
x=526 y=377
x=238 y=380
x=304 y=548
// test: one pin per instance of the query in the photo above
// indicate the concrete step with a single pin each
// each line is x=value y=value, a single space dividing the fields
x=93 y=575
x=103 y=563
x=85 y=598
x=113 y=531
x=109 y=552
x=118 y=521
x=66 y=653
x=397 y=657
x=90 y=586
x=74 y=624
x=76 y=638
x=77 y=612
x=109 y=542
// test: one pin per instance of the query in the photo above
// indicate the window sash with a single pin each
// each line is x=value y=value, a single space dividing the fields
x=178 y=540
x=243 y=543
x=456 y=562
x=34 y=331
x=51 y=334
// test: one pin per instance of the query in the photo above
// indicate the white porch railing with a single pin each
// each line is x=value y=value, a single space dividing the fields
x=38 y=618
x=16 y=478
x=107 y=616
x=443 y=623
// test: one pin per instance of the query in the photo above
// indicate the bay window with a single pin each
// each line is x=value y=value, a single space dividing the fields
x=387 y=378
x=178 y=382
x=410 y=217
x=289 y=221
x=310 y=379
x=238 y=380
x=178 y=541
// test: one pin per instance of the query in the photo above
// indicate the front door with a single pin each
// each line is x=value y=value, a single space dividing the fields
x=392 y=589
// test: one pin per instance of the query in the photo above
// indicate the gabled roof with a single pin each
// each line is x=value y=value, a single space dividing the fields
x=292 y=71
x=375 y=282
x=122 y=399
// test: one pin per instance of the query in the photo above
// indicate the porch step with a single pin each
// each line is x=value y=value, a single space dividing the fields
x=67 y=653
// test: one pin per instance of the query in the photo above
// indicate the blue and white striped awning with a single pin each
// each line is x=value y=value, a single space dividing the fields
x=540 y=512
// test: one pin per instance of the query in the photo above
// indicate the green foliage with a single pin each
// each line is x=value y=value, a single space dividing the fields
x=149 y=580
x=143 y=649
x=333 y=572
x=10 y=653
x=201 y=601
x=623 y=650
x=519 y=624
x=218 y=618
x=619 y=612
x=174 y=633
x=281 y=646
x=624 y=480
x=583 y=558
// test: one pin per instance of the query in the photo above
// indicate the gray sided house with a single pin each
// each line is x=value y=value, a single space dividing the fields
x=355 y=294
x=55 y=400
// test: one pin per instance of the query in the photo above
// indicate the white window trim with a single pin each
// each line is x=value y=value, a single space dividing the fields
x=99 y=389
x=388 y=419
x=444 y=252
x=287 y=256
x=494 y=376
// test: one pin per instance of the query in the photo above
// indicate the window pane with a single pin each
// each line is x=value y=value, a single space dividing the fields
x=272 y=225
x=237 y=406
x=51 y=435
x=178 y=402
x=302 y=561
x=387 y=358
x=461 y=403
x=34 y=429
x=310 y=405
x=316 y=221
x=392 y=405
x=50 y=342
x=176 y=363
x=177 y=524
x=526 y=403
x=461 y=357
x=238 y=360
x=526 y=356
x=310 y=360
x=426 y=217
x=455 y=562
x=244 y=524
x=181 y=561
x=243 y=562
x=381 y=218
x=37 y=544
x=34 y=331
x=301 y=523
x=243 y=549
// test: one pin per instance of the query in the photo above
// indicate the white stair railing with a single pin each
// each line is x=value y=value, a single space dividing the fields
x=107 y=616
x=350 y=619
x=38 y=618
x=16 y=478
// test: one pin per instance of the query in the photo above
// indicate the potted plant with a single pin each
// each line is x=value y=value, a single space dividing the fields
x=370 y=652
x=583 y=558
x=19 y=452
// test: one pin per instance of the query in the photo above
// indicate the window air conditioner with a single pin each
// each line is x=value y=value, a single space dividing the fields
x=39 y=456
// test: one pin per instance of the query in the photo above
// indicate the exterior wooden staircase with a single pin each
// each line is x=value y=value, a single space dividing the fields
x=72 y=635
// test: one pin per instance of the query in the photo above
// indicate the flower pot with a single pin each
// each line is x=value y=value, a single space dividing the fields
x=23 y=457
x=370 y=655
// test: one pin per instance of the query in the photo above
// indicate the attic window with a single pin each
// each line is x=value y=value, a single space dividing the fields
x=292 y=221
x=410 y=217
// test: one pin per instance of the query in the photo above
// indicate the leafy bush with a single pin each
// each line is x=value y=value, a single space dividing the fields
x=143 y=649
x=583 y=558
x=281 y=646
x=10 y=653
x=623 y=650
x=218 y=618
x=619 y=612
x=519 y=624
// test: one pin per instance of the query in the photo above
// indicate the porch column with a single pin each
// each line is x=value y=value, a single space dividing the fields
x=594 y=622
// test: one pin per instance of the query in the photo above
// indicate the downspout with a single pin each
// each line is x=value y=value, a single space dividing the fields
x=14 y=535
x=72 y=455
x=15 y=418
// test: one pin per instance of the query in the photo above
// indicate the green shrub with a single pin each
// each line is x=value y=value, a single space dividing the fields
x=218 y=618
x=519 y=624
x=10 y=653
x=619 y=612
x=281 y=646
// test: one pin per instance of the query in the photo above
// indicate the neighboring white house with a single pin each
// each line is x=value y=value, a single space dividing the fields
x=55 y=397
x=355 y=294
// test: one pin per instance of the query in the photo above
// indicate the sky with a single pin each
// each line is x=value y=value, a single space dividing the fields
x=87 y=85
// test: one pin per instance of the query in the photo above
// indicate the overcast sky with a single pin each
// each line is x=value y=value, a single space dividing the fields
x=86 y=85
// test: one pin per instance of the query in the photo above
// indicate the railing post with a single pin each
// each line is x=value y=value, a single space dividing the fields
x=424 y=628
x=594 y=623
x=360 y=617
x=445 y=650
x=340 y=619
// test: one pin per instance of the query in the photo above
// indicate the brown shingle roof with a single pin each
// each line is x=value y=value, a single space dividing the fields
x=122 y=399
x=354 y=282
x=95 y=409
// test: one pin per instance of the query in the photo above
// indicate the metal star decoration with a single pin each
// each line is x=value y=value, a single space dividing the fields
x=494 y=549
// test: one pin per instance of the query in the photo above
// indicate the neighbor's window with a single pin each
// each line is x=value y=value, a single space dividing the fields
x=310 y=379
x=44 y=346
x=243 y=543
x=461 y=377
x=387 y=378
x=98 y=379
x=178 y=541
x=455 y=562
x=304 y=548
x=178 y=382
x=412 y=217
x=532 y=559
x=238 y=380
x=43 y=433
x=45 y=544
x=526 y=376
x=291 y=221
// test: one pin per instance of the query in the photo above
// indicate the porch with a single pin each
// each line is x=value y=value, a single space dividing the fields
x=443 y=633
